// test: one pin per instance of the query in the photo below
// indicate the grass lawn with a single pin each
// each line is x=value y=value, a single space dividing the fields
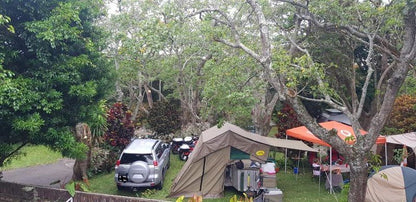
x=295 y=188
x=33 y=155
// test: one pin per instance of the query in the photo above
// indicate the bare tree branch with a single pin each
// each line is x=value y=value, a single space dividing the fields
x=368 y=77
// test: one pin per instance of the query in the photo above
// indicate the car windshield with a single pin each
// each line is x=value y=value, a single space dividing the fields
x=130 y=158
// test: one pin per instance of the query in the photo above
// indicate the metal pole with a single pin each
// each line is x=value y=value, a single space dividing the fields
x=320 y=163
x=330 y=171
x=385 y=152
x=286 y=157
x=298 y=165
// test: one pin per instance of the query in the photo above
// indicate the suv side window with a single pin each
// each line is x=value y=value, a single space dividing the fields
x=159 y=151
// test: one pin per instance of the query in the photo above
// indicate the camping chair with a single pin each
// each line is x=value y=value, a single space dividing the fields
x=316 y=171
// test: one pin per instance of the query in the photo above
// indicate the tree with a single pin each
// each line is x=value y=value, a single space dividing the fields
x=137 y=39
x=385 y=30
x=54 y=74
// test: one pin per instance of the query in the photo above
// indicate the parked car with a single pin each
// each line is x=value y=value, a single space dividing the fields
x=143 y=163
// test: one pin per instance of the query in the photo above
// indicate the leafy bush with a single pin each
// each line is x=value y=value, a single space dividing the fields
x=286 y=118
x=403 y=116
x=164 y=117
x=120 y=126
x=100 y=161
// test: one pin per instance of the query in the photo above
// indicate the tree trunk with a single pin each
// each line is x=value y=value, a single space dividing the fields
x=148 y=95
x=261 y=120
x=83 y=135
x=358 y=177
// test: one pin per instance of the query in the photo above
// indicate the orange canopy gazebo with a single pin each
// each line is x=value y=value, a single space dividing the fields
x=343 y=131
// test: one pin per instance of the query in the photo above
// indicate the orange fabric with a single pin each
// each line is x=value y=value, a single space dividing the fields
x=343 y=132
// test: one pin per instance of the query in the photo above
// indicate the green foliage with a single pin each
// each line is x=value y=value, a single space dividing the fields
x=101 y=161
x=398 y=155
x=374 y=162
x=344 y=193
x=164 y=117
x=51 y=72
x=230 y=90
x=70 y=187
x=73 y=186
x=285 y=119
x=120 y=126
x=403 y=117
x=98 y=120
x=409 y=86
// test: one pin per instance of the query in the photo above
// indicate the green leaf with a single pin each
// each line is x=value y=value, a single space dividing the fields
x=70 y=187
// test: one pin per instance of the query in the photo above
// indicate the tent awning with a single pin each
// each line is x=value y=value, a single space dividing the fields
x=343 y=131
x=408 y=139
x=273 y=142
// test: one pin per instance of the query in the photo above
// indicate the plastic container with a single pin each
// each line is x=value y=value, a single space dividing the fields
x=295 y=170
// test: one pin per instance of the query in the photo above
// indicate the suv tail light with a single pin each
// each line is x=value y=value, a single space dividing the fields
x=118 y=163
x=155 y=163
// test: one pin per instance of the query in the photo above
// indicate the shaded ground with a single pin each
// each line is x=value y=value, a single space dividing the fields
x=51 y=175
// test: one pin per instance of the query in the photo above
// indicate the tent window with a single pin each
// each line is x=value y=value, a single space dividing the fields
x=236 y=154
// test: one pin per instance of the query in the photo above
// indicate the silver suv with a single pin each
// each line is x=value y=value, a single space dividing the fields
x=143 y=163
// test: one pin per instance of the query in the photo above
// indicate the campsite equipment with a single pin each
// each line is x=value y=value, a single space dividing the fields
x=273 y=195
x=245 y=179
x=218 y=147
x=392 y=183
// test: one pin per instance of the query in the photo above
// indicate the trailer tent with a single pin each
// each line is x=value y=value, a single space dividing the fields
x=204 y=172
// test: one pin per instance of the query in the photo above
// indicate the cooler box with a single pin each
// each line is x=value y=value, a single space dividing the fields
x=273 y=195
x=244 y=178
x=269 y=181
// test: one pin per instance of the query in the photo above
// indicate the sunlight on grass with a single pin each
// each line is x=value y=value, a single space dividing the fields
x=33 y=155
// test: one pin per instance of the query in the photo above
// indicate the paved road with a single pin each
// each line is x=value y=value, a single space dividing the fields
x=42 y=175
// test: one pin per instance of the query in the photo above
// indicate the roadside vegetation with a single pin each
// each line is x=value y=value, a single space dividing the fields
x=33 y=155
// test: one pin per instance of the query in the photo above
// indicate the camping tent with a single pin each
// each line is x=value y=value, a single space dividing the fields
x=392 y=183
x=203 y=173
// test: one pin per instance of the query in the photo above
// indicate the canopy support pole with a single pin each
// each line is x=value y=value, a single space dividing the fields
x=385 y=152
x=298 y=165
x=331 y=190
x=286 y=157
x=320 y=163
